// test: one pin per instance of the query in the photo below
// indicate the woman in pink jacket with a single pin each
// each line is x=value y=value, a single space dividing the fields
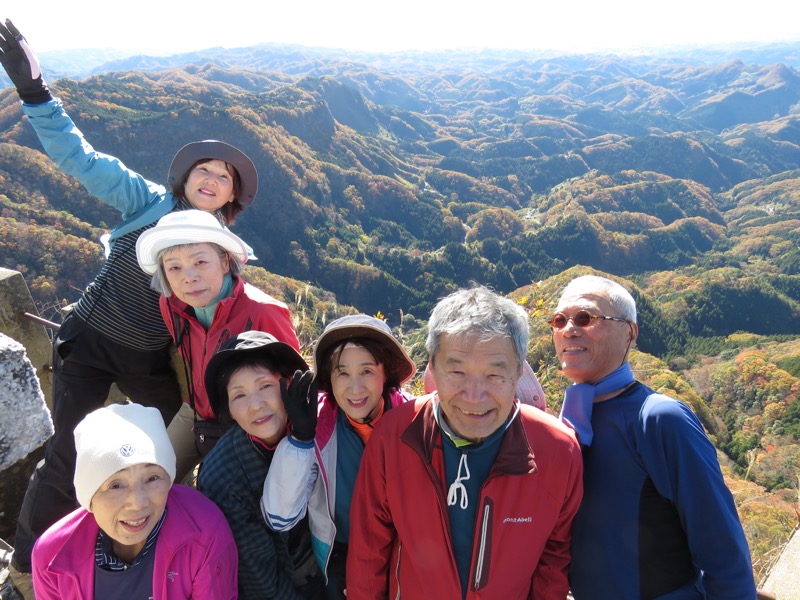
x=137 y=535
x=360 y=370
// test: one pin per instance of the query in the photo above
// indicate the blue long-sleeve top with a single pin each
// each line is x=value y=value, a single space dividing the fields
x=657 y=520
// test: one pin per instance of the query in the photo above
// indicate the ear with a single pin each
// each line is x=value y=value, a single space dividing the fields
x=429 y=384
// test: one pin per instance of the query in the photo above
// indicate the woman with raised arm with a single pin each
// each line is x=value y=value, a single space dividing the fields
x=114 y=333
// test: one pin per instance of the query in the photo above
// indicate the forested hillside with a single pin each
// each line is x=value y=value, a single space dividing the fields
x=389 y=181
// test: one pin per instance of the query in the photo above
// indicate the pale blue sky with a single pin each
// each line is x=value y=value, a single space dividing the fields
x=170 y=26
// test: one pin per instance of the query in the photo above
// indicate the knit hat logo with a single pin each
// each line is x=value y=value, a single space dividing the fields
x=127 y=450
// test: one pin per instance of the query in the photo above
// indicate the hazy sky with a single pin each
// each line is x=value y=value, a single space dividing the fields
x=170 y=26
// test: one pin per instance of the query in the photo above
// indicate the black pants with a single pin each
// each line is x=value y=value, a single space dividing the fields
x=85 y=364
x=337 y=572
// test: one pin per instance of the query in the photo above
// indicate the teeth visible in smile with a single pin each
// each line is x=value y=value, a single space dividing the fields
x=135 y=523
x=572 y=348
x=469 y=412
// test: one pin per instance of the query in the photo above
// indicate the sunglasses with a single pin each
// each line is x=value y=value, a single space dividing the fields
x=582 y=318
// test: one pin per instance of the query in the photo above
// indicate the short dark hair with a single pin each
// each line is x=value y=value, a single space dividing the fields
x=230 y=210
x=380 y=352
x=229 y=368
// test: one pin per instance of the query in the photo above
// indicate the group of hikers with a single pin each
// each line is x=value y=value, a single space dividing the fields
x=331 y=480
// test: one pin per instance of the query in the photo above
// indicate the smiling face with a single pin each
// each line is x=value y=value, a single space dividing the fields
x=357 y=382
x=195 y=272
x=475 y=381
x=129 y=504
x=254 y=401
x=587 y=354
x=209 y=185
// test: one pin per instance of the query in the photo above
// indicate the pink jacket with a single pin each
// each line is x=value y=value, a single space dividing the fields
x=195 y=554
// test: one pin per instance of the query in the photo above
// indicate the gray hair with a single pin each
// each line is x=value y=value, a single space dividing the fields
x=619 y=298
x=160 y=283
x=481 y=313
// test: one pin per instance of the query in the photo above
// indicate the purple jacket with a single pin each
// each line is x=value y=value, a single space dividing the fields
x=195 y=554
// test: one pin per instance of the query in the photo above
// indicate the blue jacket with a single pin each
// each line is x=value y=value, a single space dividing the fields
x=657 y=520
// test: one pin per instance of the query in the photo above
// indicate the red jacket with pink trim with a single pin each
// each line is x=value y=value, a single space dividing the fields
x=246 y=309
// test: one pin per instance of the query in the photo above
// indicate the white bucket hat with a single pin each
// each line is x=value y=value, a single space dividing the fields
x=185 y=227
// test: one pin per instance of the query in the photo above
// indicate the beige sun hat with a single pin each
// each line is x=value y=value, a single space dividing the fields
x=363 y=326
x=185 y=227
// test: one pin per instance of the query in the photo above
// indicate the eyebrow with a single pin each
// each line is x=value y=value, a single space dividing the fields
x=455 y=361
x=366 y=363
x=193 y=254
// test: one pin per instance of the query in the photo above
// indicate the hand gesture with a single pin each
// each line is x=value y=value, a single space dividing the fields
x=21 y=65
x=300 y=401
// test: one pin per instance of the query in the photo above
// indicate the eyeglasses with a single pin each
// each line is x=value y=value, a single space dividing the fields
x=582 y=318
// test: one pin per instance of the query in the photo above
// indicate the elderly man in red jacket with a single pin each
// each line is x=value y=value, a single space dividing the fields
x=466 y=493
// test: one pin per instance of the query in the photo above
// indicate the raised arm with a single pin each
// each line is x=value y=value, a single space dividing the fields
x=102 y=175
x=293 y=472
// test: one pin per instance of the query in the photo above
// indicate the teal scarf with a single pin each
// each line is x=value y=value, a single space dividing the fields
x=205 y=314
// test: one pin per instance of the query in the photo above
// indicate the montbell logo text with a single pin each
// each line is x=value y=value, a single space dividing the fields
x=518 y=520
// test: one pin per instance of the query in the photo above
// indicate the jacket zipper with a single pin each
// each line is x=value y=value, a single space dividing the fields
x=397 y=571
x=482 y=548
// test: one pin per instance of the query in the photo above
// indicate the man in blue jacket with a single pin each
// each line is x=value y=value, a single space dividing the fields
x=656 y=520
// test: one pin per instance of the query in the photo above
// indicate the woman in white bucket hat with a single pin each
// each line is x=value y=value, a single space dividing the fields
x=195 y=265
x=114 y=332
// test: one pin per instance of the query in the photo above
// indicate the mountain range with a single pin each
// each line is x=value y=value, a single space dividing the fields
x=388 y=181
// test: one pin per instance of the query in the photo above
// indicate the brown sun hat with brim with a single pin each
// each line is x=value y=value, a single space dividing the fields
x=216 y=150
x=244 y=345
x=363 y=326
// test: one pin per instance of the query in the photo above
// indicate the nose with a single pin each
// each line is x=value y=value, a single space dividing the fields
x=190 y=273
x=255 y=402
x=474 y=388
x=569 y=330
x=356 y=383
x=136 y=497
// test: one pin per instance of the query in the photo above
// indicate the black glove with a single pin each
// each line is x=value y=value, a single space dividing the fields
x=300 y=401
x=21 y=65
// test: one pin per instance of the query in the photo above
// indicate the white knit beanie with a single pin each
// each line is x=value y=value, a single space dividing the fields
x=116 y=437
